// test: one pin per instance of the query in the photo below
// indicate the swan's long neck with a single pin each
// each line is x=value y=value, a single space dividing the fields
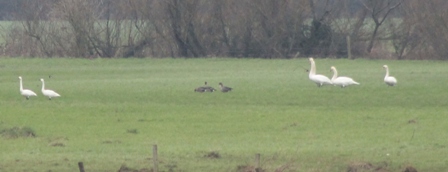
x=335 y=74
x=21 y=86
x=313 y=68
x=43 y=85
x=387 y=73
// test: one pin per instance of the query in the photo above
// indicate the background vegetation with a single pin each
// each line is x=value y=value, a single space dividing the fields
x=113 y=110
x=387 y=29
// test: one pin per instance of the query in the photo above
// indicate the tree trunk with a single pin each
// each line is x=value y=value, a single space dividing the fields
x=372 y=39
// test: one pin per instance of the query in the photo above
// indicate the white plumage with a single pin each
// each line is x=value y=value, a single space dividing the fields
x=318 y=79
x=49 y=93
x=389 y=80
x=341 y=81
x=25 y=92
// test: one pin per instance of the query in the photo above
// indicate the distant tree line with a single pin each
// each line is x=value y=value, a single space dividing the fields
x=392 y=29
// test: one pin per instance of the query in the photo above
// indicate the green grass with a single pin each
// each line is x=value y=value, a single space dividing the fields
x=113 y=110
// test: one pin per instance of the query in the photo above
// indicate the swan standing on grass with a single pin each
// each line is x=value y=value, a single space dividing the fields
x=342 y=81
x=25 y=92
x=318 y=79
x=389 y=80
x=48 y=93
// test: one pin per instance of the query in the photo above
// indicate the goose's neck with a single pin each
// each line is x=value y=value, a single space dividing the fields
x=335 y=74
x=313 y=68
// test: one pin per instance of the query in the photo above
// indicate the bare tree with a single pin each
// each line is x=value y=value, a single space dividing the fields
x=431 y=24
x=266 y=28
x=34 y=26
x=320 y=32
x=94 y=27
x=142 y=28
x=183 y=28
x=236 y=28
x=175 y=24
x=379 y=11
x=348 y=19
x=404 y=36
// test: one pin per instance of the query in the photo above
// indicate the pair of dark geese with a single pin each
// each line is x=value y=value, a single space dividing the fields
x=207 y=88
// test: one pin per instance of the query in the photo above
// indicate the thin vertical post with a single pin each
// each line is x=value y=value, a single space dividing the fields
x=81 y=167
x=349 y=48
x=257 y=160
x=155 y=158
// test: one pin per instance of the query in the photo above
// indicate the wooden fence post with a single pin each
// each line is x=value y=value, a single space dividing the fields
x=81 y=167
x=349 y=48
x=155 y=158
x=257 y=161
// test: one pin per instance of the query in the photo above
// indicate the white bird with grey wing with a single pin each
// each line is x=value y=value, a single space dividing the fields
x=49 y=93
x=389 y=80
x=25 y=92
x=341 y=81
x=320 y=80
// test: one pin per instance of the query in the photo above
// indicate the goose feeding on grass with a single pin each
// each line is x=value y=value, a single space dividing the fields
x=318 y=79
x=389 y=80
x=49 y=93
x=224 y=88
x=25 y=92
x=204 y=88
x=341 y=81
x=208 y=88
x=199 y=89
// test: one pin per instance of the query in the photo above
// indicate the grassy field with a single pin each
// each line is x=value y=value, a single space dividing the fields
x=113 y=110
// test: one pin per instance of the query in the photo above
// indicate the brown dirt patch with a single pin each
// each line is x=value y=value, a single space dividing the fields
x=249 y=168
x=412 y=121
x=57 y=144
x=213 y=155
x=409 y=169
x=17 y=132
x=124 y=168
x=366 y=167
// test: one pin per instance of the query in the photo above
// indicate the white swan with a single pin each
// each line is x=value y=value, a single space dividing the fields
x=389 y=80
x=49 y=93
x=318 y=79
x=342 y=81
x=25 y=92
